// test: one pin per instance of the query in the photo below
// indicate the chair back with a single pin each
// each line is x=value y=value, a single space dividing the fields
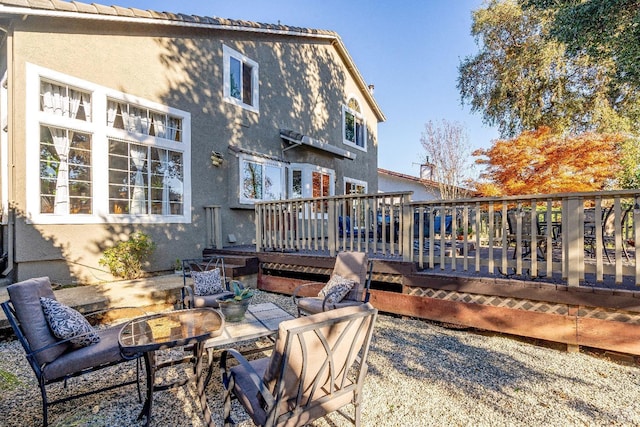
x=354 y=266
x=311 y=370
x=202 y=264
x=27 y=319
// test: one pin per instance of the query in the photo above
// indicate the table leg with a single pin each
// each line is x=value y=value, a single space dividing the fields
x=149 y=358
x=201 y=383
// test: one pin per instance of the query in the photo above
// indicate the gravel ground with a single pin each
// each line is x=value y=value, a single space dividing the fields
x=420 y=375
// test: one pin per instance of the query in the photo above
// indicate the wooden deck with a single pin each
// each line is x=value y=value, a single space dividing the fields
x=604 y=317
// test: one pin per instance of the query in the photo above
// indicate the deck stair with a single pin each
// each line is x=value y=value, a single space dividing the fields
x=236 y=265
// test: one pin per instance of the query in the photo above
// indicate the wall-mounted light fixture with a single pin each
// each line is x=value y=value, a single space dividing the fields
x=216 y=158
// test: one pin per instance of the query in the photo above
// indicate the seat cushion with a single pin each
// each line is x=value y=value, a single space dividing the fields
x=247 y=392
x=207 y=282
x=25 y=298
x=312 y=305
x=106 y=351
x=210 y=300
x=67 y=323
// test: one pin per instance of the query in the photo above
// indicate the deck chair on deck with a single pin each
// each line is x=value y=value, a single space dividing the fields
x=318 y=366
x=354 y=267
x=55 y=359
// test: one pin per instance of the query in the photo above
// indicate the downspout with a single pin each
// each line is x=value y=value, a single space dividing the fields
x=9 y=191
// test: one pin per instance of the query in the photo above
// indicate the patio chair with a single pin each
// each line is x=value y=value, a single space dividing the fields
x=609 y=228
x=204 y=282
x=351 y=266
x=318 y=366
x=54 y=359
x=526 y=236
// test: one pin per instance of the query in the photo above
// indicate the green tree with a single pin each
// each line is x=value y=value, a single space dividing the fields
x=608 y=30
x=522 y=78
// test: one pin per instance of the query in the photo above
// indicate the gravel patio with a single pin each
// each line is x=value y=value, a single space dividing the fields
x=420 y=374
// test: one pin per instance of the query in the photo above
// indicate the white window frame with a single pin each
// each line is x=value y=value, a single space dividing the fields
x=358 y=116
x=227 y=54
x=354 y=181
x=247 y=158
x=307 y=178
x=100 y=134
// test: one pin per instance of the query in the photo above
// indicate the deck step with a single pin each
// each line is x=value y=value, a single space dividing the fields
x=236 y=265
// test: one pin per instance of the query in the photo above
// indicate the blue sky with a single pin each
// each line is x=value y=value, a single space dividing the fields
x=409 y=50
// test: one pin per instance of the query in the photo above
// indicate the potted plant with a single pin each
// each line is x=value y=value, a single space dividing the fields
x=235 y=306
x=177 y=266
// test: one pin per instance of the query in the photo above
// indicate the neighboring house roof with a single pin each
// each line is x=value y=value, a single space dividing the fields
x=96 y=11
x=426 y=182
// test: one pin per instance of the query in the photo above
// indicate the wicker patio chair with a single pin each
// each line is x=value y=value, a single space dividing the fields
x=193 y=267
x=349 y=265
x=52 y=359
x=318 y=366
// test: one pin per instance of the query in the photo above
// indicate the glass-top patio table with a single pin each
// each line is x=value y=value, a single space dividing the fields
x=147 y=334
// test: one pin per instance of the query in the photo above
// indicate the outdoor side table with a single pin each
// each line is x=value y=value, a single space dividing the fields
x=146 y=334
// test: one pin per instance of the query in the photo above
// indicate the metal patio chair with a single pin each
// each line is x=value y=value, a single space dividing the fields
x=350 y=265
x=318 y=366
x=54 y=360
x=197 y=265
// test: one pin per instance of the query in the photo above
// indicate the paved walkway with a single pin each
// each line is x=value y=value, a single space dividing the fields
x=153 y=292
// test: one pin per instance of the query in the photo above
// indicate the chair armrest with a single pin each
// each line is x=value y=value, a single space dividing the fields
x=187 y=294
x=253 y=375
x=304 y=288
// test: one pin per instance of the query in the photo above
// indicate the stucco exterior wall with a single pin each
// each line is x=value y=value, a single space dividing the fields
x=303 y=85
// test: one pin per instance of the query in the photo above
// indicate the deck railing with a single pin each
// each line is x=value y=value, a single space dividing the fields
x=570 y=237
x=364 y=222
x=213 y=224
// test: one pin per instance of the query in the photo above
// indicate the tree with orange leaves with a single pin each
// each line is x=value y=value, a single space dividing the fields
x=539 y=161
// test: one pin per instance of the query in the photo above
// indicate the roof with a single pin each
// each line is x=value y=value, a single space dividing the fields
x=426 y=182
x=79 y=10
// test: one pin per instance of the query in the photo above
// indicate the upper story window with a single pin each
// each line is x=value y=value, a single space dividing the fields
x=260 y=179
x=136 y=118
x=354 y=129
x=241 y=80
x=98 y=155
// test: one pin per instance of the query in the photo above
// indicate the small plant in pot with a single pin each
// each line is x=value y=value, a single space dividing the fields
x=234 y=307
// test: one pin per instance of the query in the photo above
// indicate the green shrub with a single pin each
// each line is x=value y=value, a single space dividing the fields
x=125 y=258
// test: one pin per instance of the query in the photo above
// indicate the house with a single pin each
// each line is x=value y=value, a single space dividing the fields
x=117 y=120
x=423 y=189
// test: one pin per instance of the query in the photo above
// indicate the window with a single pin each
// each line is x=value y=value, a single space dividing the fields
x=144 y=180
x=134 y=118
x=65 y=171
x=308 y=180
x=355 y=208
x=240 y=80
x=354 y=129
x=354 y=186
x=96 y=155
x=260 y=179
x=64 y=153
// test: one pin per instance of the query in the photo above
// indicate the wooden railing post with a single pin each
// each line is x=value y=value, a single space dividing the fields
x=259 y=230
x=407 y=229
x=333 y=235
x=213 y=223
x=574 y=215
